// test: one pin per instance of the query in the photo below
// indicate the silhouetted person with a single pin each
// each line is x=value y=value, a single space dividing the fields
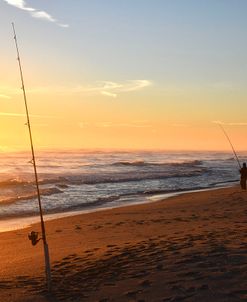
x=243 y=176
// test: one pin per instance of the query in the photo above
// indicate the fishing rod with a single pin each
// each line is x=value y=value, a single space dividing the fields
x=234 y=152
x=34 y=236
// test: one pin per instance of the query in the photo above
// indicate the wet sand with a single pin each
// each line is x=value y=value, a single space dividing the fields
x=191 y=247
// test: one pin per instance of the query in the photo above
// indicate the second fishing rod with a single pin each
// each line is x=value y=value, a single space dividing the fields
x=233 y=149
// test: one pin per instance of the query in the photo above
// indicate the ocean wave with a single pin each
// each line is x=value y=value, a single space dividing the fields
x=91 y=180
x=137 y=163
x=120 y=199
x=191 y=163
x=158 y=192
x=27 y=182
x=137 y=177
x=143 y=163
x=64 y=181
x=28 y=196
x=57 y=208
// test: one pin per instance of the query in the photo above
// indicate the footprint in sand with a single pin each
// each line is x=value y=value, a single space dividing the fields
x=145 y=283
x=159 y=267
x=132 y=294
x=97 y=227
x=119 y=223
x=5 y=285
x=111 y=245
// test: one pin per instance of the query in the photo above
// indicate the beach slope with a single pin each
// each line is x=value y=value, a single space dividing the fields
x=192 y=247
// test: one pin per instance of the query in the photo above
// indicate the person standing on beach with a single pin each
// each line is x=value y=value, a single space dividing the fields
x=243 y=176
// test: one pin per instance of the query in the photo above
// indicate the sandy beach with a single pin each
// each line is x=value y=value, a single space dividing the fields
x=124 y=123
x=192 y=247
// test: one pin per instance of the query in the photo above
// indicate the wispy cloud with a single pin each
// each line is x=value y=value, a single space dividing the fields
x=230 y=124
x=21 y=4
x=138 y=84
x=131 y=85
x=13 y=114
x=110 y=94
x=35 y=13
x=4 y=96
x=106 y=88
x=111 y=89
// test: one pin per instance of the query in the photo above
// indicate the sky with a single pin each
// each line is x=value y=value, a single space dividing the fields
x=124 y=74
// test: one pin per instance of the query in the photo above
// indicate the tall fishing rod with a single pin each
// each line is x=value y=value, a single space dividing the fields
x=34 y=235
x=234 y=152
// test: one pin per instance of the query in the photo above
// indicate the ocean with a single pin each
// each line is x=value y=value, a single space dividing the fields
x=93 y=180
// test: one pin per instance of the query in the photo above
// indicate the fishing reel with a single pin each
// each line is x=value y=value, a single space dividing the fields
x=33 y=237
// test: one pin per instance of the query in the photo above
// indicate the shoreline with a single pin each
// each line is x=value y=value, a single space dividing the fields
x=17 y=223
x=189 y=247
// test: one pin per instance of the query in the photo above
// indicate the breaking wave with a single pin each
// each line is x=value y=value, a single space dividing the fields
x=31 y=195
x=146 y=164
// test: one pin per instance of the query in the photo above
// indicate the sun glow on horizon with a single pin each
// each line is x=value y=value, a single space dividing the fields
x=96 y=122
x=131 y=82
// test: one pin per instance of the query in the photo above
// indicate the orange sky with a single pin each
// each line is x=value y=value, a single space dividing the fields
x=60 y=121
x=115 y=79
